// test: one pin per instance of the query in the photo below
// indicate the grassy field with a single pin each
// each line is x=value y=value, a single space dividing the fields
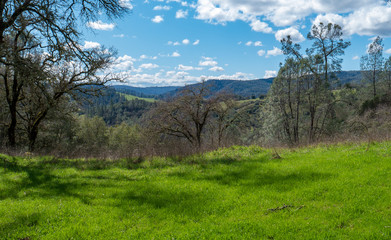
x=323 y=192
x=131 y=97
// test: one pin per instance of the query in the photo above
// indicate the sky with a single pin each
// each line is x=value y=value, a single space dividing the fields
x=179 y=42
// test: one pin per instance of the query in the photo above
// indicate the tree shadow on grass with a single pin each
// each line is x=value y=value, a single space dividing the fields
x=171 y=199
x=27 y=221
x=37 y=180
x=252 y=174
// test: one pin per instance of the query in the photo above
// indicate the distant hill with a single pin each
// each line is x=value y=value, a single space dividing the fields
x=241 y=88
x=256 y=88
x=354 y=77
x=144 y=92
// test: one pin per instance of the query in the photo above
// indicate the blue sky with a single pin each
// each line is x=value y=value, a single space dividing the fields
x=178 y=42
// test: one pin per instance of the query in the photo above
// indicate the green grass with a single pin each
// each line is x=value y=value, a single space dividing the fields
x=132 y=97
x=324 y=192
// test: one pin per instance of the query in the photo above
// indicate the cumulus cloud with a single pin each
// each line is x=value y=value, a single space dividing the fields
x=270 y=74
x=181 y=14
x=178 y=78
x=367 y=21
x=261 y=52
x=274 y=52
x=296 y=36
x=149 y=65
x=88 y=45
x=159 y=8
x=259 y=26
x=157 y=19
x=258 y=44
x=251 y=43
x=207 y=62
x=143 y=57
x=185 y=41
x=123 y=63
x=356 y=57
x=216 y=69
x=99 y=25
x=175 y=54
x=169 y=78
x=364 y=17
x=236 y=76
x=187 y=68
x=196 y=42
x=125 y=4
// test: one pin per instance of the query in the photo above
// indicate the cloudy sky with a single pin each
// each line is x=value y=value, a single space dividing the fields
x=177 y=42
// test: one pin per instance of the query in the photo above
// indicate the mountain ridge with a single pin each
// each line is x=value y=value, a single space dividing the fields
x=242 y=88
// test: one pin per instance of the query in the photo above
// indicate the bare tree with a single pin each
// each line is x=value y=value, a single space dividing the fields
x=186 y=115
x=224 y=115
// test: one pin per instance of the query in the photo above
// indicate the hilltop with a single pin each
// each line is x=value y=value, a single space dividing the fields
x=241 y=88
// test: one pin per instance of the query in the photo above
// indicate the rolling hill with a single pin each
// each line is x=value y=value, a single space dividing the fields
x=241 y=88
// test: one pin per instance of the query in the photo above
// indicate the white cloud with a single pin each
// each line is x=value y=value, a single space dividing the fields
x=122 y=63
x=236 y=76
x=99 y=25
x=142 y=57
x=187 y=68
x=274 y=52
x=149 y=65
x=216 y=69
x=88 y=45
x=259 y=26
x=159 y=8
x=355 y=58
x=258 y=44
x=196 y=42
x=296 y=36
x=170 y=78
x=251 y=43
x=261 y=52
x=270 y=74
x=185 y=41
x=157 y=19
x=364 y=17
x=369 y=21
x=175 y=54
x=181 y=14
x=119 y=35
x=178 y=78
x=207 y=62
x=125 y=4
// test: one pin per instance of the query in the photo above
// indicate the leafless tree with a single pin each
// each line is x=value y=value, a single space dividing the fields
x=186 y=115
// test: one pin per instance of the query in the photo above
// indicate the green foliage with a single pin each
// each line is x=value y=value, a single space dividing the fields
x=115 y=107
x=92 y=132
x=124 y=138
x=324 y=192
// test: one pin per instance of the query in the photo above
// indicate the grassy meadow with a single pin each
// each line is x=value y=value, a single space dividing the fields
x=325 y=192
x=130 y=97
